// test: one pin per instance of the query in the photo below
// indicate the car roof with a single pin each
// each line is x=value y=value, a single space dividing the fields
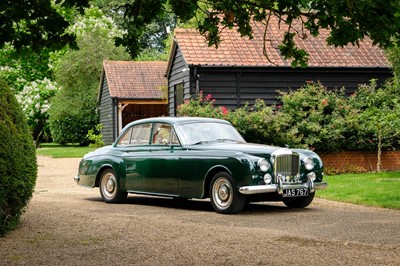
x=178 y=120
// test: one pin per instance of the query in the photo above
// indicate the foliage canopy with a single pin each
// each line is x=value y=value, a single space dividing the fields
x=36 y=24
x=74 y=109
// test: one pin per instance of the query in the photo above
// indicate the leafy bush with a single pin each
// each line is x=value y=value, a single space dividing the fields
x=264 y=124
x=314 y=117
x=72 y=126
x=202 y=106
x=255 y=123
x=18 y=168
x=317 y=116
x=95 y=137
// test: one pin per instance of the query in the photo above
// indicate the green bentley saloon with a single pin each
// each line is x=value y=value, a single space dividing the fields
x=188 y=157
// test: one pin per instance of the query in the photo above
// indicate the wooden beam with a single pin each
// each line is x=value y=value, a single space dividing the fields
x=142 y=101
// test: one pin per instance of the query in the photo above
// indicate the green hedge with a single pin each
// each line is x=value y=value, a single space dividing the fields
x=18 y=167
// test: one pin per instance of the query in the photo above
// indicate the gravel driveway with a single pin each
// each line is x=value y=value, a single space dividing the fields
x=69 y=225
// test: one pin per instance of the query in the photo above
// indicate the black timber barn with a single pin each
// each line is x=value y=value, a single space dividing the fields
x=238 y=72
x=130 y=90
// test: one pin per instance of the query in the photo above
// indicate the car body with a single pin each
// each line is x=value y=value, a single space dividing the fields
x=192 y=157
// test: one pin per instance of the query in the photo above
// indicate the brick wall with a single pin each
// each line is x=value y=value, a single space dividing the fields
x=365 y=159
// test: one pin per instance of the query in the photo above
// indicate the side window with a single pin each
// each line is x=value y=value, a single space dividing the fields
x=126 y=138
x=136 y=135
x=164 y=134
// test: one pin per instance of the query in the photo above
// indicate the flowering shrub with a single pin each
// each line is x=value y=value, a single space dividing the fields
x=35 y=102
x=94 y=20
x=263 y=124
x=202 y=106
x=257 y=123
x=317 y=116
x=18 y=69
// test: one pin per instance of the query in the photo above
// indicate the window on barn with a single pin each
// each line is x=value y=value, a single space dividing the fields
x=178 y=95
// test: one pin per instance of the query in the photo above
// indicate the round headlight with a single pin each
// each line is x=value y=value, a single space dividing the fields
x=309 y=164
x=264 y=165
x=267 y=178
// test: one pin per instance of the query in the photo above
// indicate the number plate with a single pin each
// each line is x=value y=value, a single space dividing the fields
x=295 y=192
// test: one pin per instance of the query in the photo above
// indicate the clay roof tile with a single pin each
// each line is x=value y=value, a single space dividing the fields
x=135 y=80
x=235 y=50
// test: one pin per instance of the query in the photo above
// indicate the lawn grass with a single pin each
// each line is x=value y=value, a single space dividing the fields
x=66 y=151
x=369 y=189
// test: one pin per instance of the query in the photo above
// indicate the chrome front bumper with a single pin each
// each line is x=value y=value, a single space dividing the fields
x=260 y=189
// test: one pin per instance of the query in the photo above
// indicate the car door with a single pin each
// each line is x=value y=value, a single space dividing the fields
x=162 y=161
x=150 y=162
x=134 y=145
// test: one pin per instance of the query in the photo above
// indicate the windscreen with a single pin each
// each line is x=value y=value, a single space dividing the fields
x=202 y=132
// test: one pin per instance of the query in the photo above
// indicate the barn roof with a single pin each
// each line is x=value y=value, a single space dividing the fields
x=134 y=79
x=242 y=51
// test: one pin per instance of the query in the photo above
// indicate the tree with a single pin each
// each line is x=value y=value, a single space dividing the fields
x=74 y=109
x=31 y=32
x=29 y=75
x=18 y=168
x=150 y=37
x=393 y=54
x=348 y=21
x=36 y=24
x=18 y=68
x=375 y=117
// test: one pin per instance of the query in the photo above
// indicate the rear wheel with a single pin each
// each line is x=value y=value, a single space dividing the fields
x=300 y=202
x=224 y=196
x=109 y=188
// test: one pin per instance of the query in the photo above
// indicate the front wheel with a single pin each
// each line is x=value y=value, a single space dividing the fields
x=109 y=188
x=224 y=196
x=300 y=202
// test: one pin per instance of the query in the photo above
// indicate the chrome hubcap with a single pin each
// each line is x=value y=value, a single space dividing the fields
x=109 y=185
x=222 y=193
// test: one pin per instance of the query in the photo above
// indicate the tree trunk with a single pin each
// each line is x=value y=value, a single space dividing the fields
x=37 y=140
x=379 y=163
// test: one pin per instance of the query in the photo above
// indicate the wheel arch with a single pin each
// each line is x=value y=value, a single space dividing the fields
x=101 y=171
x=207 y=181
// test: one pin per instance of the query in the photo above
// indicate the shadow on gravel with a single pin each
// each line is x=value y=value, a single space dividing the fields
x=204 y=205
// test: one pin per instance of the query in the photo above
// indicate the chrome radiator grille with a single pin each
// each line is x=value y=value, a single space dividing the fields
x=287 y=167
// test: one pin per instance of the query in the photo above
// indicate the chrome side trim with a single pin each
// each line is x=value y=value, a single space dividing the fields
x=311 y=186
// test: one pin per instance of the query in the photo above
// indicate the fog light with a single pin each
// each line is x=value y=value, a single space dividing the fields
x=267 y=178
x=312 y=176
